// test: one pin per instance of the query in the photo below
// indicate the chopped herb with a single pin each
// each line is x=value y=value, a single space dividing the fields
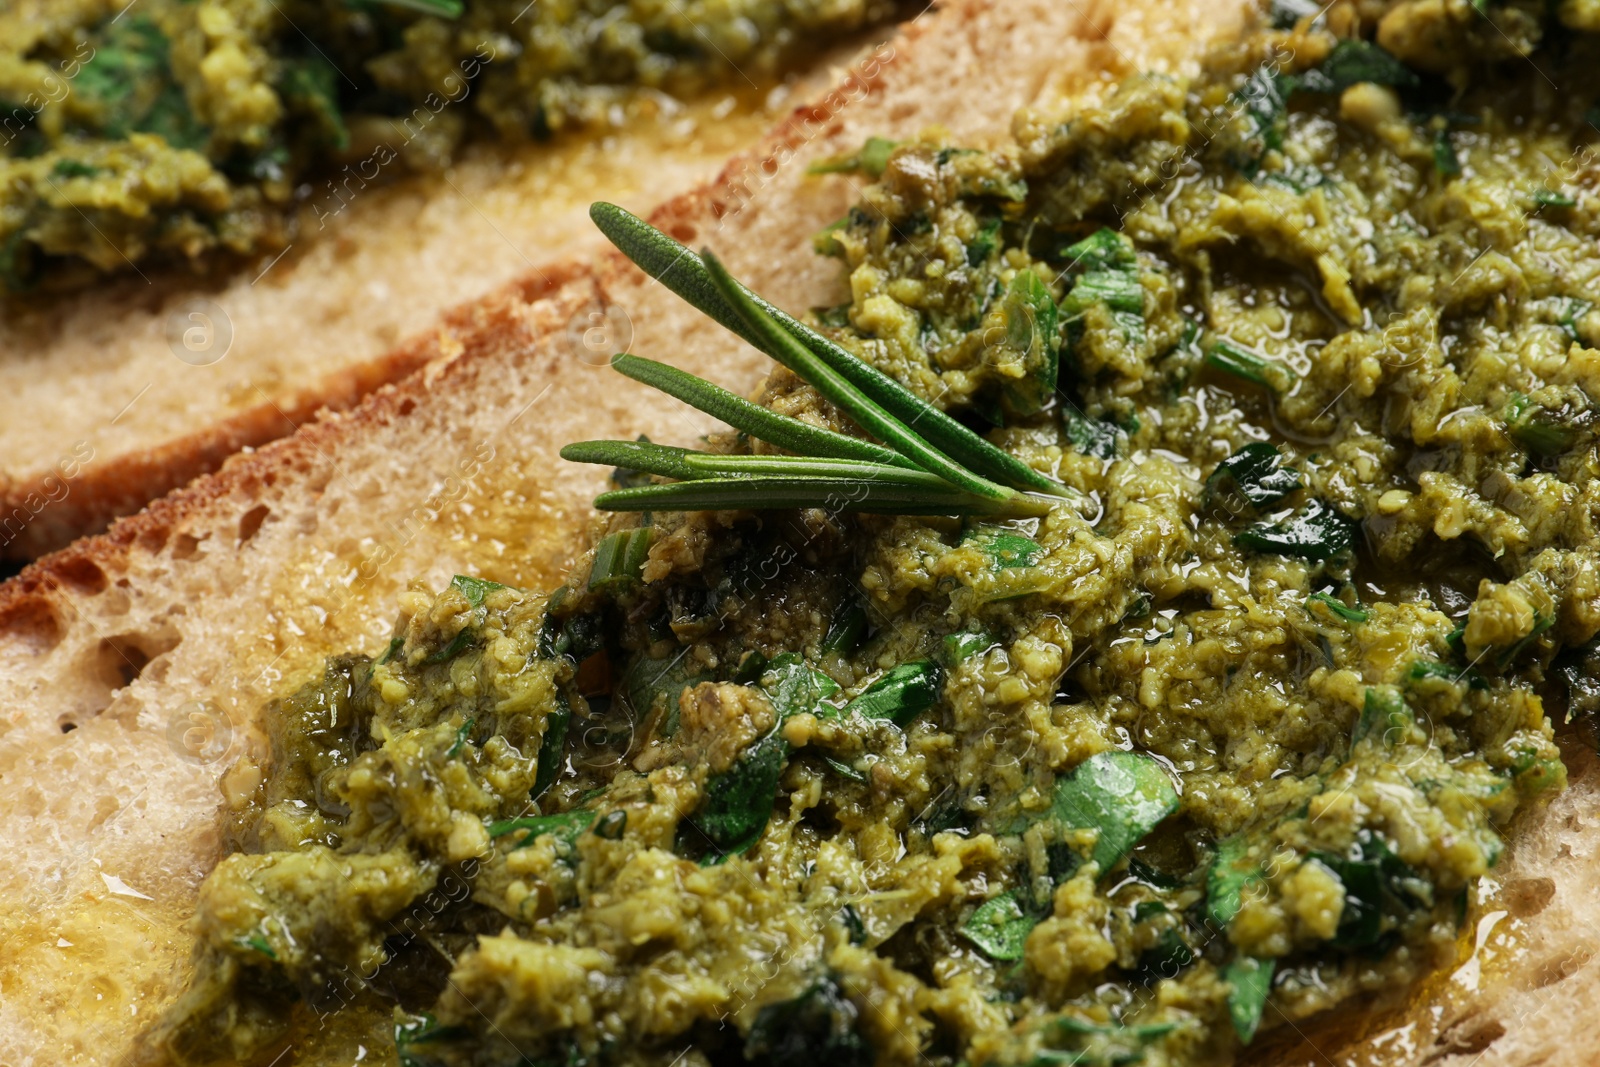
x=1338 y=607
x=1353 y=61
x=900 y=694
x=844 y=770
x=959 y=646
x=71 y=168
x=611 y=825
x=1445 y=160
x=1241 y=362
x=1000 y=927
x=1249 y=982
x=981 y=247
x=1252 y=477
x=395 y=645
x=738 y=802
x=449 y=9
x=463 y=732
x=872 y=159
x=1123 y=795
x=852 y=922
x=1005 y=550
x=846 y=629
x=1384 y=711
x=1093 y=437
x=655 y=687
x=1231 y=871
x=1110 y=276
x=413 y=1030
x=564 y=826
x=1380 y=890
x=1536 y=428
x=819 y=1028
x=1569 y=310
x=1031 y=329
x=474 y=589
x=553 y=746
x=825 y=243
x=260 y=944
x=1550 y=198
x=1316 y=532
x=795 y=687
x=619 y=559
x=1541 y=623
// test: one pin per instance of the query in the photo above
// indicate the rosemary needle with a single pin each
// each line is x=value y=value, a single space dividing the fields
x=902 y=472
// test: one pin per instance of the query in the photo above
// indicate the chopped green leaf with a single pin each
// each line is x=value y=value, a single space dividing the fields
x=900 y=694
x=846 y=628
x=1353 y=61
x=1380 y=890
x=1541 y=623
x=1004 y=548
x=1338 y=607
x=872 y=159
x=796 y=687
x=1230 y=872
x=1539 y=430
x=1000 y=927
x=1384 y=712
x=1110 y=276
x=553 y=746
x=1316 y=532
x=412 y=1031
x=564 y=826
x=1123 y=795
x=1445 y=160
x=1241 y=362
x=819 y=1028
x=959 y=646
x=1031 y=329
x=474 y=589
x=1252 y=477
x=1093 y=437
x=611 y=825
x=309 y=86
x=655 y=687
x=738 y=802
x=825 y=243
x=463 y=732
x=981 y=247
x=1550 y=198
x=619 y=559
x=1570 y=309
x=260 y=944
x=447 y=9
x=844 y=770
x=1249 y=983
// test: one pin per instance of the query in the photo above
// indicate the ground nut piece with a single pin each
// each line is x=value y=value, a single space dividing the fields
x=1369 y=106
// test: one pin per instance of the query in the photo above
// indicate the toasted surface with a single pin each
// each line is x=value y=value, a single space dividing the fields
x=157 y=642
x=112 y=397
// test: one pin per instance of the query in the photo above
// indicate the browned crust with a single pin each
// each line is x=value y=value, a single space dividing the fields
x=124 y=483
x=476 y=331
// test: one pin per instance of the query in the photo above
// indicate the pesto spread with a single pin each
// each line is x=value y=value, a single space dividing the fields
x=1221 y=742
x=179 y=128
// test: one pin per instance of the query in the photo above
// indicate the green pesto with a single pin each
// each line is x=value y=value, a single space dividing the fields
x=184 y=128
x=1139 y=781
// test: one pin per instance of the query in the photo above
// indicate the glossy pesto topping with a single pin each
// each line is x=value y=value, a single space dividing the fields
x=1224 y=740
x=186 y=127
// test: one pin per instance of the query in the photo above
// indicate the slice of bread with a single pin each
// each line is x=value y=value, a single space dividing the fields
x=112 y=397
x=132 y=665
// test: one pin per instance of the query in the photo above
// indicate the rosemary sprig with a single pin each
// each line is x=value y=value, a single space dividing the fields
x=684 y=273
x=904 y=472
